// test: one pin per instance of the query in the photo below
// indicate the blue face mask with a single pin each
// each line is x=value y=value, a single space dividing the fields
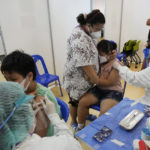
x=23 y=99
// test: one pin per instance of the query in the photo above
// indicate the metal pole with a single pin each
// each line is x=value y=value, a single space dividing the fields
x=3 y=43
x=120 y=34
x=104 y=15
x=51 y=35
x=91 y=5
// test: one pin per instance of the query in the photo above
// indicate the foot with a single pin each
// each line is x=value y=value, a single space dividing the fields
x=74 y=126
x=91 y=117
x=78 y=129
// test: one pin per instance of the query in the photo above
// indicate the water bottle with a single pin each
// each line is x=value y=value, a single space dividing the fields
x=145 y=134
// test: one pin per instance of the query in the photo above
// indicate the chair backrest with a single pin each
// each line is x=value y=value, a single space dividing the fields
x=64 y=109
x=130 y=45
x=39 y=58
x=146 y=52
x=136 y=46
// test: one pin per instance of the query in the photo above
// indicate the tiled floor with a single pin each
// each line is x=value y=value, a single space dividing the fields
x=131 y=92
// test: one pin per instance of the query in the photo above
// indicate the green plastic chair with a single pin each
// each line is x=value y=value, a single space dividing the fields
x=130 y=45
x=136 y=46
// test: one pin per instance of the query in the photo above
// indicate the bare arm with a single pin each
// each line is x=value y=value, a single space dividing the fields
x=148 y=22
x=91 y=74
x=112 y=78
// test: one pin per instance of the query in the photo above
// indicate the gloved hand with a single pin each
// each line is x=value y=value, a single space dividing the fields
x=48 y=106
x=116 y=65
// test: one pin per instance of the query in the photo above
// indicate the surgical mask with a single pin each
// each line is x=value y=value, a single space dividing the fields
x=96 y=35
x=22 y=84
x=103 y=59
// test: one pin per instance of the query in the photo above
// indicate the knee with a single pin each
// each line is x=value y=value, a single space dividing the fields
x=106 y=107
x=83 y=103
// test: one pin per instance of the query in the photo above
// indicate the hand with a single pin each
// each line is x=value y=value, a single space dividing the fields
x=113 y=55
x=48 y=106
x=148 y=22
x=116 y=65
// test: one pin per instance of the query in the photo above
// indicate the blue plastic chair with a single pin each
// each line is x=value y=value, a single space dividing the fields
x=146 y=52
x=45 y=78
x=64 y=109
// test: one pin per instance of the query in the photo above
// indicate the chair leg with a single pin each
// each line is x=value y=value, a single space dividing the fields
x=60 y=87
x=124 y=88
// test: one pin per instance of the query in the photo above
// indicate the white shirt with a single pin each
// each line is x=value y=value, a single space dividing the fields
x=141 y=78
x=62 y=140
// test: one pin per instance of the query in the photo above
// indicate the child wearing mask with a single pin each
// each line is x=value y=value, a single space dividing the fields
x=20 y=67
x=109 y=93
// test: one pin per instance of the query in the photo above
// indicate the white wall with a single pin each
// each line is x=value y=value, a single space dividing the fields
x=63 y=19
x=25 y=26
x=112 y=14
x=99 y=4
x=135 y=14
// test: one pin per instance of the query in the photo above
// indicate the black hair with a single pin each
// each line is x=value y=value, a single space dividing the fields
x=105 y=46
x=114 y=45
x=19 y=62
x=92 y=18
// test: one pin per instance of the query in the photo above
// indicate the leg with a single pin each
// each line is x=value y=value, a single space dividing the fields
x=83 y=108
x=60 y=87
x=73 y=113
x=106 y=104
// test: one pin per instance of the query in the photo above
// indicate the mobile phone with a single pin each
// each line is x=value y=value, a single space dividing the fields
x=102 y=134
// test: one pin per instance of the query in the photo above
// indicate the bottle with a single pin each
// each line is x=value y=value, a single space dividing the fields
x=145 y=133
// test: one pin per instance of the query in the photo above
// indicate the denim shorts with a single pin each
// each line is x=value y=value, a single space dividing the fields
x=102 y=94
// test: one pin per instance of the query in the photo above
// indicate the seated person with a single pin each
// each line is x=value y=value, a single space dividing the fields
x=20 y=67
x=109 y=93
x=16 y=133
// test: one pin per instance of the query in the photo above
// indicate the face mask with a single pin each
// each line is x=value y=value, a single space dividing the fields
x=22 y=84
x=96 y=35
x=103 y=59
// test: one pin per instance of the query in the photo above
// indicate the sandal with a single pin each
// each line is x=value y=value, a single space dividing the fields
x=74 y=126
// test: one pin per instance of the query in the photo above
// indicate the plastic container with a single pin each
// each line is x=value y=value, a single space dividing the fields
x=145 y=133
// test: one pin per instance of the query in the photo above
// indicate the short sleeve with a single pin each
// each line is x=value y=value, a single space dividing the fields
x=84 y=52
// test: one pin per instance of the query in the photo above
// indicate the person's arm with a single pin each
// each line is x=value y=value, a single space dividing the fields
x=91 y=74
x=148 y=22
x=60 y=127
x=112 y=78
x=141 y=78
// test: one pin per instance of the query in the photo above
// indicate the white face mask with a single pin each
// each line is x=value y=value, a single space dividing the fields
x=103 y=59
x=22 y=84
x=96 y=35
